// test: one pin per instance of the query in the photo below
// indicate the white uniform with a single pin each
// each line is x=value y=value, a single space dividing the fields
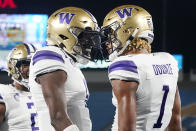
x=50 y=59
x=20 y=111
x=157 y=75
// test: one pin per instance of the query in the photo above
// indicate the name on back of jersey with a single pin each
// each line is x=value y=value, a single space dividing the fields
x=162 y=69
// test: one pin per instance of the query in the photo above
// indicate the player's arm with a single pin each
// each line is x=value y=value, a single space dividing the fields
x=175 y=122
x=2 y=112
x=53 y=92
x=125 y=93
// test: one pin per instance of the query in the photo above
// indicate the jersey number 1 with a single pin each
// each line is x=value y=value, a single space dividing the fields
x=158 y=124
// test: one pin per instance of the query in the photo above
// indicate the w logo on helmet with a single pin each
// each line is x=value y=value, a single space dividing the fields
x=125 y=11
x=67 y=17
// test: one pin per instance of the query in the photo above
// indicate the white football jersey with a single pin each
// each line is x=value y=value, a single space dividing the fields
x=157 y=75
x=49 y=59
x=20 y=112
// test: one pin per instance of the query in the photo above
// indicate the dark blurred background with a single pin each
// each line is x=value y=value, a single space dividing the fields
x=174 y=20
x=174 y=28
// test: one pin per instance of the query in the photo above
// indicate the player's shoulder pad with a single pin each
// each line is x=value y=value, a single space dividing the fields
x=122 y=58
x=163 y=54
x=167 y=55
x=123 y=63
x=48 y=52
x=4 y=88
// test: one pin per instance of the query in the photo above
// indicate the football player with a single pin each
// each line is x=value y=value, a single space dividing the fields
x=17 y=110
x=144 y=84
x=58 y=85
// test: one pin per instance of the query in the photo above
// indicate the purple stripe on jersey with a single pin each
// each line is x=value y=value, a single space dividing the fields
x=1 y=97
x=123 y=65
x=44 y=54
x=28 y=50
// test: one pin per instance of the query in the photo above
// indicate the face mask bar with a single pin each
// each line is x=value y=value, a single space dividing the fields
x=89 y=44
x=115 y=43
x=106 y=34
x=25 y=62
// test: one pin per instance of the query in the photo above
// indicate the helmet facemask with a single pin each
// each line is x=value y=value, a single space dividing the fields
x=89 y=42
x=21 y=71
x=109 y=34
x=23 y=68
x=87 y=46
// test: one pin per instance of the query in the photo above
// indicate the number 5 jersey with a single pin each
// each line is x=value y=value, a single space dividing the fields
x=20 y=112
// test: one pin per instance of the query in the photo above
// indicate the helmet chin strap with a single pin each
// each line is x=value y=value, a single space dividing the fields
x=115 y=54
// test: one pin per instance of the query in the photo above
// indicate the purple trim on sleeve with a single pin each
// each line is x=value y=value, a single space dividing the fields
x=45 y=54
x=123 y=65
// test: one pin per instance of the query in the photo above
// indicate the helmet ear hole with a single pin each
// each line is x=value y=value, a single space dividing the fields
x=84 y=22
x=88 y=28
x=63 y=37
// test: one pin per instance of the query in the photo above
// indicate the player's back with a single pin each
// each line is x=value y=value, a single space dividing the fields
x=19 y=115
x=157 y=76
x=50 y=59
